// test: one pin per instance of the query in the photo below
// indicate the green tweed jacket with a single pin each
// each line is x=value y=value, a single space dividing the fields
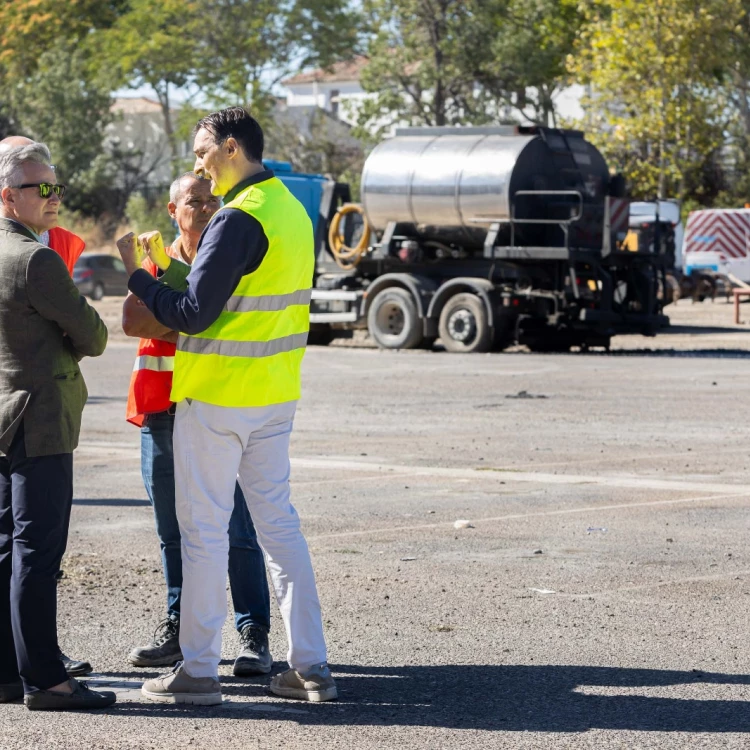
x=46 y=327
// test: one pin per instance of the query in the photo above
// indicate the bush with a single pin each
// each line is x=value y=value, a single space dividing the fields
x=147 y=216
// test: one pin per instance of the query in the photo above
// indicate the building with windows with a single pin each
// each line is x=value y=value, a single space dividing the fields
x=137 y=133
x=337 y=90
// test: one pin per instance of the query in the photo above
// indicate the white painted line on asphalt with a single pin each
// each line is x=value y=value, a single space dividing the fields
x=480 y=473
x=386 y=471
x=536 y=514
x=715 y=690
x=659 y=584
x=632 y=458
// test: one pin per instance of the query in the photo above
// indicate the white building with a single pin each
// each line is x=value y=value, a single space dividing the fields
x=338 y=91
x=138 y=130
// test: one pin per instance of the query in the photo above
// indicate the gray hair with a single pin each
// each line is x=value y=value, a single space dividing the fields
x=12 y=161
x=175 y=189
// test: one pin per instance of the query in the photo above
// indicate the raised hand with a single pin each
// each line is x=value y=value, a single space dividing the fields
x=154 y=247
x=131 y=252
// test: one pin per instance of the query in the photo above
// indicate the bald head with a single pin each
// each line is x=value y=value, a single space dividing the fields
x=191 y=205
x=14 y=141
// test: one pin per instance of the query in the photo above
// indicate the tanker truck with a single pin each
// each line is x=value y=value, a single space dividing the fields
x=484 y=237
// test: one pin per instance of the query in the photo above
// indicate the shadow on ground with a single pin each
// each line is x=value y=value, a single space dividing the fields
x=676 y=353
x=503 y=698
x=111 y=502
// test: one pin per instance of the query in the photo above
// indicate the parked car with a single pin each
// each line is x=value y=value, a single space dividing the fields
x=97 y=274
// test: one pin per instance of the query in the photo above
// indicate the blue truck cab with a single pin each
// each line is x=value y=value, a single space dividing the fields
x=306 y=188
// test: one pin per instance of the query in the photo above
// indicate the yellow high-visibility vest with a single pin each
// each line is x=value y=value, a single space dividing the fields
x=252 y=354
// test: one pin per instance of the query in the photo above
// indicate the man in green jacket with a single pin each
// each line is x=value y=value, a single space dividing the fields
x=46 y=327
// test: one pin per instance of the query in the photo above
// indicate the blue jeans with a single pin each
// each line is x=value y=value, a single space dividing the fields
x=247 y=568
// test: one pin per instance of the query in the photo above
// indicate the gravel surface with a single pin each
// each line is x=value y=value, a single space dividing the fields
x=597 y=598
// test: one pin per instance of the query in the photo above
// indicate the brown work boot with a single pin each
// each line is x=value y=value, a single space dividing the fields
x=316 y=684
x=178 y=686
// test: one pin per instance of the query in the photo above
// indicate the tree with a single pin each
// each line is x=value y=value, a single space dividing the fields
x=414 y=71
x=155 y=44
x=314 y=141
x=453 y=62
x=246 y=47
x=656 y=109
x=736 y=89
x=226 y=52
x=520 y=56
x=28 y=28
x=60 y=105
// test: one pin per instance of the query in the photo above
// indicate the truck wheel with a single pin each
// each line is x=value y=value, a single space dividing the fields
x=463 y=325
x=393 y=321
x=98 y=291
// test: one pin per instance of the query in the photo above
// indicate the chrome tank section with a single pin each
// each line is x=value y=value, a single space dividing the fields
x=441 y=180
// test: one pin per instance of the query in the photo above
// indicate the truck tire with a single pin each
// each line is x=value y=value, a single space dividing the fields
x=393 y=321
x=463 y=325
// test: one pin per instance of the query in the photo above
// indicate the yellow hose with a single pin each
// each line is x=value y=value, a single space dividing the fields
x=348 y=257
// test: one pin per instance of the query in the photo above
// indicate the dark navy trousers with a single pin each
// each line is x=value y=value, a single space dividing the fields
x=36 y=495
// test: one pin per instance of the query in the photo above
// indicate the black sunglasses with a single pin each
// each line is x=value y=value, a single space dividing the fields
x=45 y=188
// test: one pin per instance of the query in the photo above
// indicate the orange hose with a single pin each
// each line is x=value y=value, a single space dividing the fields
x=348 y=257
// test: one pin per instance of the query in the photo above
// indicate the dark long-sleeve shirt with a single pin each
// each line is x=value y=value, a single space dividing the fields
x=232 y=245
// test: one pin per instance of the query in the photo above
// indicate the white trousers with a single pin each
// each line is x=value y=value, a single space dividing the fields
x=213 y=447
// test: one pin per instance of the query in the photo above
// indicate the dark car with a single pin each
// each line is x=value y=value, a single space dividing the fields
x=97 y=274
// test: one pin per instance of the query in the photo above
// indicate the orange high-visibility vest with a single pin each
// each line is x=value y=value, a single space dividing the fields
x=67 y=245
x=151 y=381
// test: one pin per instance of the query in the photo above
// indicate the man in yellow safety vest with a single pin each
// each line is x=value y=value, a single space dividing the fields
x=243 y=316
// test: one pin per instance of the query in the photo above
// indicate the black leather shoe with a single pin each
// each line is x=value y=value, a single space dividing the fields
x=11 y=691
x=82 y=697
x=255 y=657
x=75 y=668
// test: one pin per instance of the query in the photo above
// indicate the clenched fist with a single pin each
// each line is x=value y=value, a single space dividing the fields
x=131 y=252
x=154 y=247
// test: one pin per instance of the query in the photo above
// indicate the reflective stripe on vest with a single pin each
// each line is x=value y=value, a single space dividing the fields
x=151 y=378
x=269 y=302
x=197 y=345
x=155 y=364
x=252 y=354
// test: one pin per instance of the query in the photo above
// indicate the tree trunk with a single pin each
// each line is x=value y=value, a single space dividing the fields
x=439 y=104
x=662 y=138
x=174 y=156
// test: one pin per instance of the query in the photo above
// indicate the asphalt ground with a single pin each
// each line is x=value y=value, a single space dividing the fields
x=599 y=599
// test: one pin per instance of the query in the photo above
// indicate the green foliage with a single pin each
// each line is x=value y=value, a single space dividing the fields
x=522 y=58
x=736 y=90
x=145 y=216
x=414 y=70
x=154 y=44
x=656 y=111
x=66 y=104
x=319 y=145
x=245 y=47
x=29 y=28
x=465 y=62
